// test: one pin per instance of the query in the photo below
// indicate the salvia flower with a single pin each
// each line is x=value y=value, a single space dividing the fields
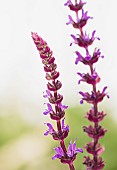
x=94 y=133
x=76 y=7
x=90 y=148
x=90 y=164
x=71 y=21
x=57 y=135
x=94 y=98
x=47 y=94
x=84 y=41
x=95 y=118
x=90 y=79
x=63 y=107
x=80 y=22
x=50 y=129
x=88 y=59
x=85 y=17
x=72 y=150
x=69 y=156
x=49 y=110
x=59 y=153
x=55 y=107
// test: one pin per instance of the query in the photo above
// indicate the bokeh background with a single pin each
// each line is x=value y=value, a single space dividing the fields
x=22 y=143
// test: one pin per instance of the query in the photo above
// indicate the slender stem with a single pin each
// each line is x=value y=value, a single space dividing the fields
x=71 y=166
x=63 y=146
x=77 y=17
x=59 y=125
x=95 y=156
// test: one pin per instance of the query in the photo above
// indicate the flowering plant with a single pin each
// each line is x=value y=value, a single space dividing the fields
x=56 y=108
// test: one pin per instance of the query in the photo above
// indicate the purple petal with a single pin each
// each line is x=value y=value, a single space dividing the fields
x=98 y=38
x=104 y=89
x=81 y=101
x=59 y=153
x=93 y=33
x=79 y=58
x=68 y=3
x=88 y=57
x=73 y=36
x=71 y=21
x=82 y=93
x=75 y=39
x=74 y=146
x=85 y=16
x=70 y=150
x=78 y=54
x=49 y=110
x=49 y=126
x=46 y=112
x=80 y=74
x=47 y=94
x=71 y=44
x=80 y=150
x=49 y=106
x=63 y=107
x=63 y=124
x=46 y=133
x=55 y=157
x=50 y=130
x=65 y=128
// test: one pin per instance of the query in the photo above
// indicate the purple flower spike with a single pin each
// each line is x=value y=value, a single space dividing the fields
x=55 y=108
x=72 y=150
x=49 y=110
x=95 y=131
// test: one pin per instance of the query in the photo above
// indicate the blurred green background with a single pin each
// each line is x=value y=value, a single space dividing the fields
x=24 y=147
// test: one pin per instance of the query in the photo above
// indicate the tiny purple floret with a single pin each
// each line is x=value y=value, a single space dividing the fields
x=50 y=130
x=63 y=107
x=49 y=110
x=59 y=153
x=72 y=150
x=47 y=94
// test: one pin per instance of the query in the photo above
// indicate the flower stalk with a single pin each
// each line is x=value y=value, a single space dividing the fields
x=95 y=131
x=55 y=108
